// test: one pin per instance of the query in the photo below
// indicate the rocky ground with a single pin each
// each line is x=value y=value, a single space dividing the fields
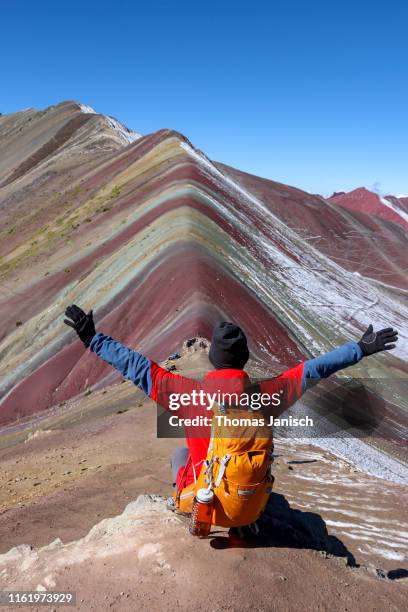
x=80 y=509
x=145 y=559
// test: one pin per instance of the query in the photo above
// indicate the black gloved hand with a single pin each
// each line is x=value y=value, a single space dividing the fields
x=374 y=342
x=82 y=323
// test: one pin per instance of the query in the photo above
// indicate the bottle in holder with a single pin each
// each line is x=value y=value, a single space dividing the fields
x=200 y=522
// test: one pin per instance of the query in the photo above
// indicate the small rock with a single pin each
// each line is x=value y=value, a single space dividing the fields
x=190 y=342
x=342 y=560
x=172 y=367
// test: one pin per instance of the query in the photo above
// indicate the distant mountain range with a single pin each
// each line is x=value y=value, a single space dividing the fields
x=162 y=242
x=391 y=208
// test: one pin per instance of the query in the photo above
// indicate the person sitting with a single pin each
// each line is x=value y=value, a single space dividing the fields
x=237 y=464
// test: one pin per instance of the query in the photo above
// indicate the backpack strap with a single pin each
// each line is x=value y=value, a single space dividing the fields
x=179 y=489
x=221 y=471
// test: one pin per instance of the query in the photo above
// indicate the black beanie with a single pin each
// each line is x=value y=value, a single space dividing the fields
x=229 y=347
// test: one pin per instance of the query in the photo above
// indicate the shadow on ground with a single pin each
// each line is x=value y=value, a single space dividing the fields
x=284 y=527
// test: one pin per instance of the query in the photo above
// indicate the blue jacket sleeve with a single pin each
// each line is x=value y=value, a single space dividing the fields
x=325 y=365
x=131 y=364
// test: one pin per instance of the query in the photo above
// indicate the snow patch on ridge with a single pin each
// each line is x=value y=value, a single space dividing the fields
x=84 y=108
x=366 y=458
x=127 y=135
x=395 y=208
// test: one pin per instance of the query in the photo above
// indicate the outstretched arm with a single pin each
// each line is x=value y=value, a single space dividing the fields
x=350 y=353
x=327 y=364
x=132 y=365
x=156 y=382
x=297 y=380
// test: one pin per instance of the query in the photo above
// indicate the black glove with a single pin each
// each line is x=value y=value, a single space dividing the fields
x=374 y=342
x=82 y=323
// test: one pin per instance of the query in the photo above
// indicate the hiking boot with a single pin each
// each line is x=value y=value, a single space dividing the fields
x=245 y=533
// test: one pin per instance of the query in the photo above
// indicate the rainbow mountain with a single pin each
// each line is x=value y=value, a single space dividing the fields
x=161 y=242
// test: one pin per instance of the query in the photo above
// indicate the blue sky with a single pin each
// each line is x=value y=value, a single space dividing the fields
x=313 y=94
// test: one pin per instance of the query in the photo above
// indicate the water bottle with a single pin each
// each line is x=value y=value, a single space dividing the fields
x=200 y=522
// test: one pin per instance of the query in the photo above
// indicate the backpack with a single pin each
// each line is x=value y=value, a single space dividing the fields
x=237 y=469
